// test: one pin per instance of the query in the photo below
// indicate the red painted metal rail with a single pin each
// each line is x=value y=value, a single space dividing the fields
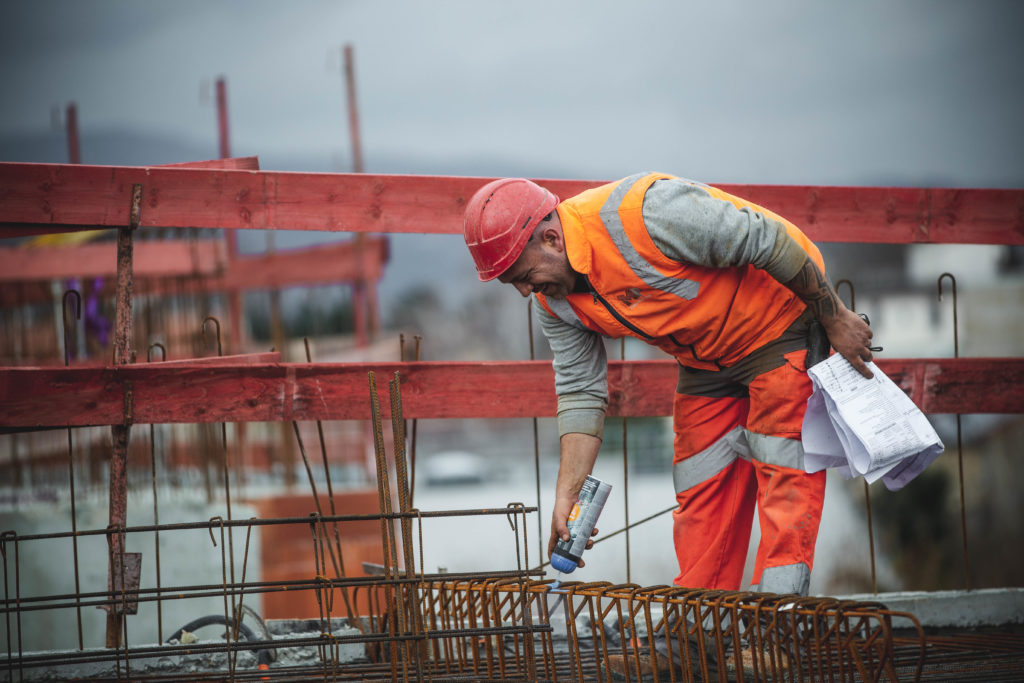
x=42 y=198
x=208 y=391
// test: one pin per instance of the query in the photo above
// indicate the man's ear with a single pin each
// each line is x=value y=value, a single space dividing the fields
x=551 y=235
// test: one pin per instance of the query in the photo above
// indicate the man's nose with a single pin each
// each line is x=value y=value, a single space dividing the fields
x=524 y=288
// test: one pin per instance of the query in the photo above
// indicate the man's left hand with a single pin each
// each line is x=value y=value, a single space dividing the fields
x=850 y=335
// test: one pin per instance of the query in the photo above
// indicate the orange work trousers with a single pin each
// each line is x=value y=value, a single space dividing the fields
x=737 y=444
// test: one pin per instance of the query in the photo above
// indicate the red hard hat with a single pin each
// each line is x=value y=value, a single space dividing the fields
x=500 y=218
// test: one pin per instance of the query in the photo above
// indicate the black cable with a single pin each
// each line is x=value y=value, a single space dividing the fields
x=263 y=655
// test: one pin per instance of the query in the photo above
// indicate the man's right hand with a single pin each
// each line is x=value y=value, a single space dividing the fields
x=560 y=528
x=579 y=451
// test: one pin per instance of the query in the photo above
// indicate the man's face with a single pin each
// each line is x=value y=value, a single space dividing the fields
x=542 y=267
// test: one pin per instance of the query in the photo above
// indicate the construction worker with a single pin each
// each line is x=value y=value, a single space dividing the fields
x=730 y=290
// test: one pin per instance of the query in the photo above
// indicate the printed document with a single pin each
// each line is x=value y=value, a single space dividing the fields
x=865 y=427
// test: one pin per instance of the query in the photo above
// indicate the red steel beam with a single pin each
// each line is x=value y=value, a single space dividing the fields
x=40 y=198
x=273 y=392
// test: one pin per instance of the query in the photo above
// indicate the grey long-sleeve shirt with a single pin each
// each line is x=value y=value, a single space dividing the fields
x=687 y=225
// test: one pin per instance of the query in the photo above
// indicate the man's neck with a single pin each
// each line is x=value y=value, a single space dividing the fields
x=582 y=285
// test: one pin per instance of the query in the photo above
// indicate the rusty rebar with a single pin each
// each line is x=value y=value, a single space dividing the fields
x=117 y=594
x=71 y=453
x=406 y=616
x=625 y=473
x=336 y=549
x=179 y=526
x=224 y=579
x=120 y=434
x=536 y=439
x=156 y=507
x=412 y=441
x=320 y=572
x=226 y=460
x=387 y=532
x=867 y=490
x=103 y=598
x=4 y=538
x=959 y=438
x=237 y=617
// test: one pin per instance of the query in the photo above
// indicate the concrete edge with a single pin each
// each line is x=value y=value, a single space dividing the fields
x=959 y=608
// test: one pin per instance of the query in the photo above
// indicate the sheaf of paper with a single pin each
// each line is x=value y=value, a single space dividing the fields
x=865 y=427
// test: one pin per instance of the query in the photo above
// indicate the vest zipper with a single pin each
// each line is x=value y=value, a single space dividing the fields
x=622 y=320
x=615 y=314
x=636 y=330
x=693 y=351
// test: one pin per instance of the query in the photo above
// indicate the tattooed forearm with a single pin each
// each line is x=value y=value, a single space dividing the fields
x=815 y=291
x=848 y=334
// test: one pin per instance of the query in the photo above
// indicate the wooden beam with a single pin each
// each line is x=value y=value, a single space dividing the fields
x=320 y=265
x=239 y=359
x=164 y=258
x=208 y=391
x=40 y=198
x=236 y=163
x=156 y=261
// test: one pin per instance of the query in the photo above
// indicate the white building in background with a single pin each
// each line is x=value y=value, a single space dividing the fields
x=913 y=323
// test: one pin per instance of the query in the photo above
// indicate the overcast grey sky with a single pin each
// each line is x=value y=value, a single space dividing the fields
x=911 y=93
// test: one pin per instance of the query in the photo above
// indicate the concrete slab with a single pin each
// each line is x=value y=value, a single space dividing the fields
x=960 y=608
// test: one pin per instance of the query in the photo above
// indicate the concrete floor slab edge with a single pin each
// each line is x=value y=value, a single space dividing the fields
x=955 y=608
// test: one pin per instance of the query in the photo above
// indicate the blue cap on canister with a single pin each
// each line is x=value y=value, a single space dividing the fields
x=562 y=563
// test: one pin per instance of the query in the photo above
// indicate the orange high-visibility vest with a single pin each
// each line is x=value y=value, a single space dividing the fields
x=705 y=317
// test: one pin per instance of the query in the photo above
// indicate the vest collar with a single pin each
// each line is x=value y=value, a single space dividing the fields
x=577 y=247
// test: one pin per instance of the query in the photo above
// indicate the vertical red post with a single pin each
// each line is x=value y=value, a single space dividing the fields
x=74 y=152
x=234 y=336
x=360 y=299
x=236 y=333
x=222 y=118
x=353 y=110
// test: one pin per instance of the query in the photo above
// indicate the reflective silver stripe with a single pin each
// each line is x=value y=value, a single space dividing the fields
x=701 y=466
x=562 y=309
x=684 y=289
x=776 y=450
x=737 y=443
x=790 y=578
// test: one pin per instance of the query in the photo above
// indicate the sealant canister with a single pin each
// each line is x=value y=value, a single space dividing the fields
x=582 y=519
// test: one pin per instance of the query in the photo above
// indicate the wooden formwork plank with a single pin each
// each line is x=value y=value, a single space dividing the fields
x=173 y=268
x=208 y=391
x=153 y=259
x=40 y=198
